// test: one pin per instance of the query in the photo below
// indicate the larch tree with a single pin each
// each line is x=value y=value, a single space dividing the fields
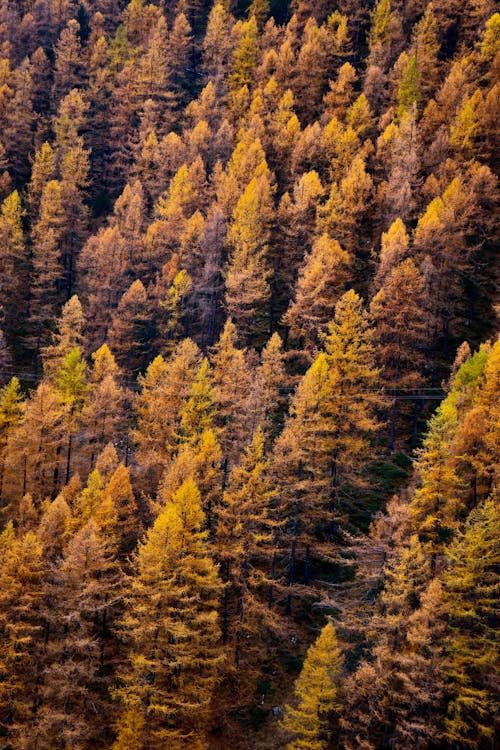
x=385 y=38
x=154 y=437
x=80 y=598
x=301 y=471
x=420 y=684
x=243 y=542
x=55 y=528
x=476 y=442
x=347 y=206
x=176 y=205
x=341 y=92
x=395 y=695
x=449 y=226
x=106 y=256
x=165 y=388
x=427 y=45
x=409 y=85
x=73 y=167
x=248 y=272
x=172 y=306
x=320 y=284
x=244 y=58
x=393 y=250
x=318 y=458
x=297 y=218
x=273 y=381
x=152 y=78
x=400 y=330
x=284 y=127
x=341 y=143
x=401 y=148
x=103 y=416
x=447 y=464
x=5 y=359
x=232 y=383
x=72 y=386
x=14 y=262
x=321 y=49
x=68 y=61
x=310 y=722
x=197 y=413
x=11 y=414
x=437 y=501
x=127 y=524
x=88 y=501
x=21 y=573
x=180 y=60
x=33 y=461
x=260 y=9
x=217 y=47
x=43 y=170
x=202 y=461
x=18 y=133
x=45 y=290
x=5 y=178
x=353 y=400
x=471 y=585
x=69 y=334
x=130 y=329
x=99 y=76
x=369 y=717
x=47 y=266
x=107 y=461
x=173 y=655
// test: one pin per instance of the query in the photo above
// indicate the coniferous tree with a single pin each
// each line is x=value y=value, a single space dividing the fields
x=14 y=267
x=232 y=391
x=217 y=47
x=450 y=219
x=470 y=583
x=33 y=462
x=69 y=334
x=244 y=540
x=165 y=386
x=72 y=387
x=319 y=286
x=80 y=597
x=130 y=329
x=447 y=466
x=318 y=456
x=68 y=61
x=173 y=639
x=127 y=525
x=317 y=692
x=105 y=256
x=273 y=379
x=11 y=414
x=55 y=528
x=400 y=329
x=247 y=275
x=103 y=416
x=21 y=572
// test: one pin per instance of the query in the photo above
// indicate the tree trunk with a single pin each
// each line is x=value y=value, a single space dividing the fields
x=291 y=577
x=68 y=459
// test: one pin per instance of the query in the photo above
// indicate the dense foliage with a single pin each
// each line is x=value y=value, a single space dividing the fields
x=248 y=374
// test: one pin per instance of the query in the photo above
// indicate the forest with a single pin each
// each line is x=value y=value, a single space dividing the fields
x=249 y=375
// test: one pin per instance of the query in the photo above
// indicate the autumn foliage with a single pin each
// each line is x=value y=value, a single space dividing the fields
x=249 y=375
